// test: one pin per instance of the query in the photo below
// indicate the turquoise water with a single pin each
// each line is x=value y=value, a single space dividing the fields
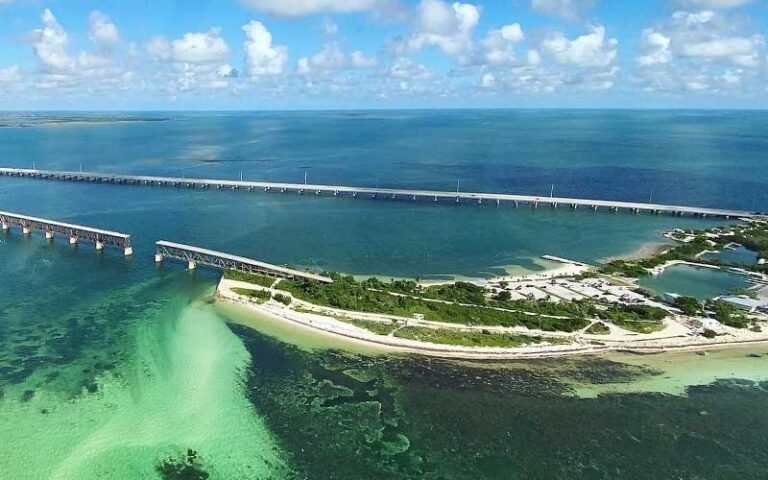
x=737 y=256
x=111 y=367
x=700 y=283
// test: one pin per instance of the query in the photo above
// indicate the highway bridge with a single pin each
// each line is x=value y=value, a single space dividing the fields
x=75 y=233
x=374 y=193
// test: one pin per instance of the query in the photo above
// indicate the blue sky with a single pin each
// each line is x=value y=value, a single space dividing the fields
x=296 y=54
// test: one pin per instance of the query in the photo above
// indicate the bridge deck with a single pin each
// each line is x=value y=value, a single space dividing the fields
x=80 y=232
x=336 y=190
x=212 y=258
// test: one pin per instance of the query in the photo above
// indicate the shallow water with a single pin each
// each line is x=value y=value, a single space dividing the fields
x=696 y=282
x=115 y=368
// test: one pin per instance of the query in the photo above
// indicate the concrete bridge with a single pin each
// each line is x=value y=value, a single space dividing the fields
x=374 y=193
x=75 y=233
x=195 y=256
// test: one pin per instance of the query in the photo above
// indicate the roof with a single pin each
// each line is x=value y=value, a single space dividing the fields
x=743 y=301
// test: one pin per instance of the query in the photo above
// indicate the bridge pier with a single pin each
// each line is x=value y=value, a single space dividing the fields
x=128 y=251
x=26 y=230
x=158 y=258
x=99 y=246
x=49 y=235
x=574 y=206
x=498 y=202
x=191 y=265
x=72 y=240
x=535 y=204
x=6 y=226
x=517 y=204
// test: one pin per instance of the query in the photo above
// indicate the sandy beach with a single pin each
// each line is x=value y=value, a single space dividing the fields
x=676 y=337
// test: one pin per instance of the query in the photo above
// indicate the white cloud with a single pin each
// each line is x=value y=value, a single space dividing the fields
x=500 y=44
x=10 y=74
x=446 y=26
x=589 y=50
x=50 y=44
x=102 y=32
x=200 y=48
x=567 y=9
x=261 y=57
x=332 y=59
x=716 y=4
x=295 y=8
x=697 y=52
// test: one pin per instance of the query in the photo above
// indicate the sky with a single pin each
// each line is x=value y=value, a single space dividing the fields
x=345 y=54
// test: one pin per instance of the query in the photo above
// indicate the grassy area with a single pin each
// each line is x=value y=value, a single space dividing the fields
x=598 y=328
x=466 y=339
x=635 y=318
x=379 y=328
x=254 y=278
x=260 y=296
x=348 y=294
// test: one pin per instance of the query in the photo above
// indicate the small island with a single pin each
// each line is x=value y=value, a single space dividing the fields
x=577 y=308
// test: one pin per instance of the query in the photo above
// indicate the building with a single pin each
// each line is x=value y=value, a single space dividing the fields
x=744 y=303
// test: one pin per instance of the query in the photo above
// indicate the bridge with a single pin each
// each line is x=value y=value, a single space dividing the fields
x=75 y=233
x=195 y=256
x=374 y=193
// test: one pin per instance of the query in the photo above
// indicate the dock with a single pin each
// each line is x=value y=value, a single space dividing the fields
x=74 y=233
x=195 y=256
x=457 y=197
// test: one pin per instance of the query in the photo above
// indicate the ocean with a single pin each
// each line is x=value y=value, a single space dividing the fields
x=113 y=367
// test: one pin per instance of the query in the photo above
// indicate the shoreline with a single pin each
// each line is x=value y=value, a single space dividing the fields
x=583 y=344
x=646 y=250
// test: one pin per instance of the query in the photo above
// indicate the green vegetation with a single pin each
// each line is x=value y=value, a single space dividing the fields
x=688 y=305
x=375 y=296
x=639 y=268
x=727 y=314
x=743 y=291
x=468 y=339
x=284 y=299
x=598 y=328
x=379 y=328
x=635 y=318
x=260 y=296
x=253 y=278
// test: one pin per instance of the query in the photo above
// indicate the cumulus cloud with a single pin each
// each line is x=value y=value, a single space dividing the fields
x=698 y=51
x=589 y=50
x=499 y=44
x=567 y=9
x=446 y=26
x=200 y=48
x=102 y=32
x=295 y=8
x=261 y=56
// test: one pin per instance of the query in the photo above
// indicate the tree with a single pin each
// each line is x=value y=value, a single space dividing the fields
x=689 y=305
x=504 y=296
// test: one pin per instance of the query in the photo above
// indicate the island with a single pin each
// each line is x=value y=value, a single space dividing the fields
x=574 y=309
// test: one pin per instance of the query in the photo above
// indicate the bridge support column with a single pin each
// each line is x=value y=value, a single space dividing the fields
x=128 y=251
x=535 y=204
x=498 y=202
x=191 y=265
x=158 y=257
x=49 y=235
x=517 y=204
x=99 y=245
x=26 y=230
x=6 y=226
x=73 y=240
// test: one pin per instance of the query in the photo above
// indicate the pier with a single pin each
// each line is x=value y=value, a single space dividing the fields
x=457 y=197
x=195 y=256
x=74 y=233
